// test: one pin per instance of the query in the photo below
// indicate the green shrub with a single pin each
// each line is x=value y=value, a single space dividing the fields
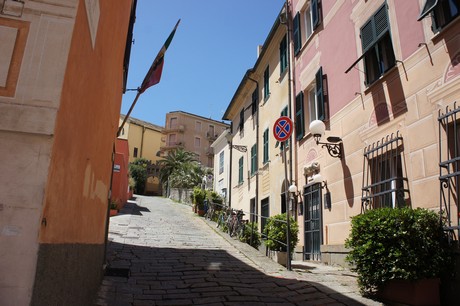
x=198 y=197
x=251 y=229
x=400 y=243
x=276 y=229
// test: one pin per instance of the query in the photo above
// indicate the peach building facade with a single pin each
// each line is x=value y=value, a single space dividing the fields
x=193 y=133
x=388 y=86
x=55 y=170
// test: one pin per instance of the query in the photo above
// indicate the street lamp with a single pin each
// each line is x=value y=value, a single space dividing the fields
x=242 y=149
x=334 y=145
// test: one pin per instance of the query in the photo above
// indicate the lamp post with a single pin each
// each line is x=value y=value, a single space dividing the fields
x=334 y=145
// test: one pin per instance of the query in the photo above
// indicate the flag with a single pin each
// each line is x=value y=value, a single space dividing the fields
x=153 y=76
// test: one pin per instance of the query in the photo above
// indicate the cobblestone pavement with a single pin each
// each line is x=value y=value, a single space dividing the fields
x=161 y=253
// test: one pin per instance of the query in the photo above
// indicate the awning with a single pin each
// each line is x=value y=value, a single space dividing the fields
x=427 y=8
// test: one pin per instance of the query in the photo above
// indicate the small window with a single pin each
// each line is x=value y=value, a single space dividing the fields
x=172 y=122
x=241 y=125
x=266 y=83
x=311 y=16
x=240 y=171
x=284 y=113
x=317 y=98
x=265 y=140
x=221 y=162
x=296 y=34
x=253 y=159
x=135 y=152
x=377 y=47
x=283 y=55
x=197 y=126
x=197 y=142
x=442 y=12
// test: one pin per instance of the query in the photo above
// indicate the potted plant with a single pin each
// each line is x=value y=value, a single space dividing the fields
x=199 y=196
x=113 y=208
x=399 y=254
x=276 y=230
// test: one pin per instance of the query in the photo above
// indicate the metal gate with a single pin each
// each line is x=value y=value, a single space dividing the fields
x=313 y=222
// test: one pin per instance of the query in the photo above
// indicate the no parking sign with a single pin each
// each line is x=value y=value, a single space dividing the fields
x=282 y=129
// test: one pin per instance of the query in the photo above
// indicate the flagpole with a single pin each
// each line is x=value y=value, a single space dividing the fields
x=129 y=112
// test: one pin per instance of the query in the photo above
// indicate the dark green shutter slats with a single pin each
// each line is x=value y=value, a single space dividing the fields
x=315 y=14
x=299 y=116
x=253 y=159
x=266 y=146
x=296 y=33
x=375 y=28
x=319 y=95
x=427 y=8
x=283 y=54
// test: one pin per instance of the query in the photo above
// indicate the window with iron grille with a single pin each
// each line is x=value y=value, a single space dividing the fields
x=449 y=166
x=384 y=180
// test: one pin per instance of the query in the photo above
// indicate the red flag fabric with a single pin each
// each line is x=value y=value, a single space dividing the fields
x=153 y=76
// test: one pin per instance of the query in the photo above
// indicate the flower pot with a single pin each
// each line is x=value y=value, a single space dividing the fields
x=201 y=212
x=419 y=292
x=113 y=212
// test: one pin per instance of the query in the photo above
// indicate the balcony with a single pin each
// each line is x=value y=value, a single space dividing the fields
x=170 y=145
x=175 y=128
x=211 y=136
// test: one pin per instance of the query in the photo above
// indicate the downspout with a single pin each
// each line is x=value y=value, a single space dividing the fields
x=230 y=172
x=257 y=143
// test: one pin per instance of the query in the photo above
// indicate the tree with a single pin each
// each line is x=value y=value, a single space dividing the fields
x=182 y=169
x=138 y=171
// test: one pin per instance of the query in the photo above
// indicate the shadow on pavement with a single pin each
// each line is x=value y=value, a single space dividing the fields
x=171 y=276
x=131 y=208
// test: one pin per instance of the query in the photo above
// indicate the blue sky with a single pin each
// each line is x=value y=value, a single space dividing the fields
x=214 y=45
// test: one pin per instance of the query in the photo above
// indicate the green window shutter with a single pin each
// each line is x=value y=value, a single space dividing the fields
x=253 y=159
x=284 y=112
x=255 y=99
x=315 y=14
x=375 y=28
x=241 y=126
x=266 y=83
x=240 y=170
x=265 y=146
x=299 y=116
x=296 y=34
x=283 y=54
x=321 y=110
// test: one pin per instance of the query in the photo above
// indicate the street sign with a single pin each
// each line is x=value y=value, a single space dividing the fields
x=282 y=129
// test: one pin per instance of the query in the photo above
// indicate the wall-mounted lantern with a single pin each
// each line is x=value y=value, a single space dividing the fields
x=334 y=144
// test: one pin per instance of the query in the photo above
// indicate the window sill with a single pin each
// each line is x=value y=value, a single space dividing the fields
x=442 y=32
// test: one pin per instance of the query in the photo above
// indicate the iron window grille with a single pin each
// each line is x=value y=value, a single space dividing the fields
x=449 y=168
x=384 y=183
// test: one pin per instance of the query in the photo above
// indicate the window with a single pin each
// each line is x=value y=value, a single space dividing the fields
x=172 y=122
x=384 y=184
x=311 y=19
x=197 y=126
x=221 y=162
x=241 y=125
x=283 y=55
x=255 y=99
x=377 y=47
x=296 y=34
x=197 y=142
x=266 y=83
x=135 y=152
x=299 y=117
x=240 y=170
x=211 y=131
x=442 y=12
x=316 y=98
x=253 y=159
x=265 y=140
x=311 y=16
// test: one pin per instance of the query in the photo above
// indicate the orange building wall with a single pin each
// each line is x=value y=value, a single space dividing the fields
x=78 y=183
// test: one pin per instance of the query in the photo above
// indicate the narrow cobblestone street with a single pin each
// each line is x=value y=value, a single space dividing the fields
x=160 y=253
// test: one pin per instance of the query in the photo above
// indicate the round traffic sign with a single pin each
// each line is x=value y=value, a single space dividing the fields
x=282 y=129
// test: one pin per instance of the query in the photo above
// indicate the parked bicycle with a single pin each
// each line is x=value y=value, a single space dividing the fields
x=236 y=223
